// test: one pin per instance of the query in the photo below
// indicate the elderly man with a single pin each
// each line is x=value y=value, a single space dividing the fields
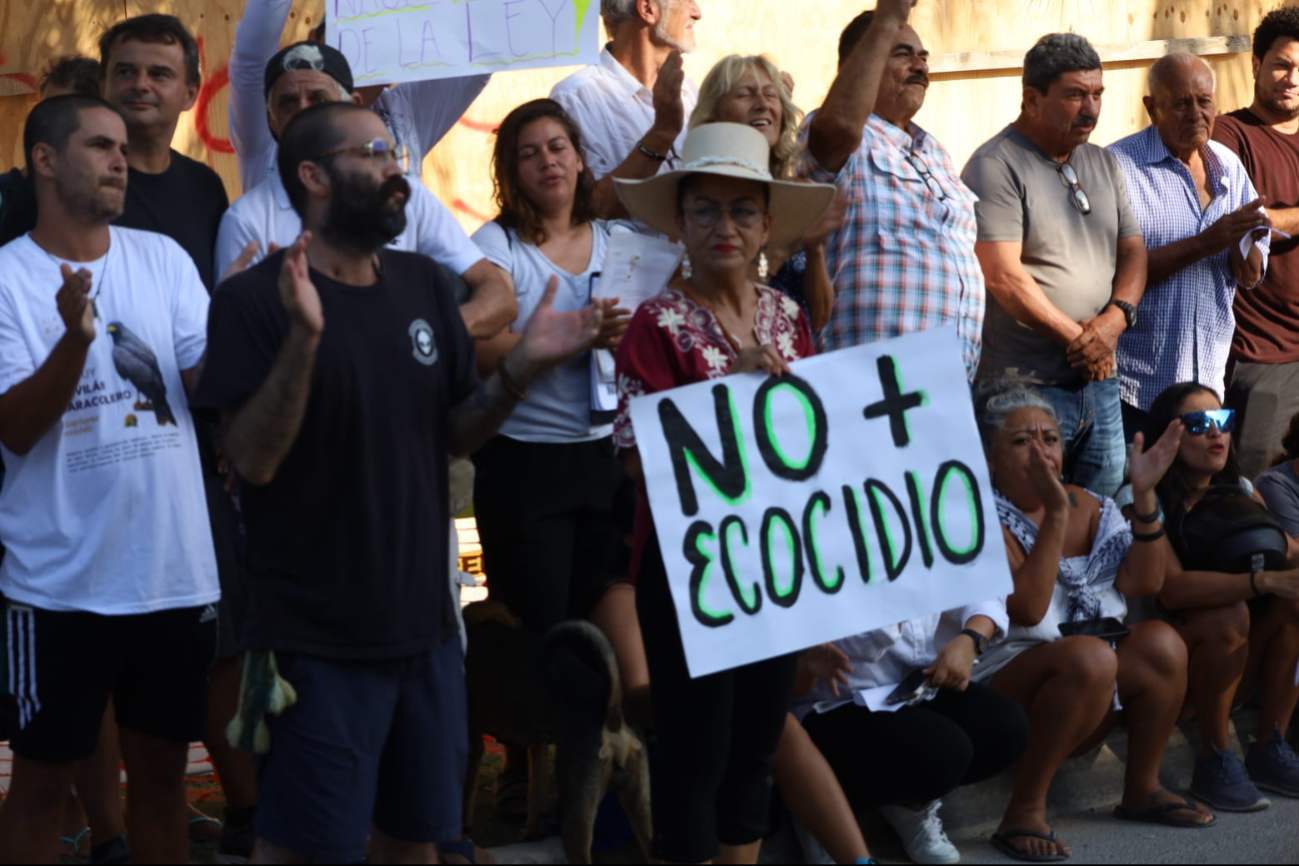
x=1263 y=377
x=632 y=106
x=1195 y=204
x=1063 y=256
x=904 y=259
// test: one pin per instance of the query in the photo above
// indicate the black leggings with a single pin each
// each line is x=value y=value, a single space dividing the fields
x=920 y=754
x=715 y=736
x=548 y=521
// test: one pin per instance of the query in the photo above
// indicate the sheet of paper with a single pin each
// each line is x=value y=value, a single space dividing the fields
x=604 y=382
x=637 y=268
x=1248 y=240
x=874 y=699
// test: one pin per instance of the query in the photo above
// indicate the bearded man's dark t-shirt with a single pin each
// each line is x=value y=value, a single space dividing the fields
x=185 y=203
x=17 y=206
x=347 y=546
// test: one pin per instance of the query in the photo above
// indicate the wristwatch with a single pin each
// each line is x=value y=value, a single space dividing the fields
x=1129 y=312
x=980 y=642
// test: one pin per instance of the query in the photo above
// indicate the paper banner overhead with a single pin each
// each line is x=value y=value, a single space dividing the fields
x=391 y=41
x=848 y=496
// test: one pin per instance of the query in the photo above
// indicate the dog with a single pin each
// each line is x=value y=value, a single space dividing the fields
x=530 y=690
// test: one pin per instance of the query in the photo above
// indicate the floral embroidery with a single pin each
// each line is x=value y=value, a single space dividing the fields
x=790 y=306
x=671 y=320
x=715 y=359
x=785 y=343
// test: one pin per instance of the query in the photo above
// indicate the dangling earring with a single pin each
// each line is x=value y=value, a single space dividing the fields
x=763 y=267
x=686 y=270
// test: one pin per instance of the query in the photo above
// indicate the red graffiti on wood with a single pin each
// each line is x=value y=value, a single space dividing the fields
x=460 y=205
x=489 y=128
x=215 y=83
x=24 y=78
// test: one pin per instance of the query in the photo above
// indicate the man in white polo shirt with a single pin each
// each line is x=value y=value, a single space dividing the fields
x=264 y=214
x=110 y=578
x=632 y=106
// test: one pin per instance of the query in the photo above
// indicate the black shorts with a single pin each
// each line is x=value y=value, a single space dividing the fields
x=63 y=668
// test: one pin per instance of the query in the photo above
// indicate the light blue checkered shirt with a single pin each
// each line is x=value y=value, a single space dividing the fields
x=1185 y=323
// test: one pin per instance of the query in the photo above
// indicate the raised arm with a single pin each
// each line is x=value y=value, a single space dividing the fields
x=29 y=409
x=836 y=129
x=1143 y=570
x=1035 y=574
x=257 y=38
x=260 y=435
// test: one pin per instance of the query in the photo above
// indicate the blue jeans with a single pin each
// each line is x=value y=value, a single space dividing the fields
x=1091 y=425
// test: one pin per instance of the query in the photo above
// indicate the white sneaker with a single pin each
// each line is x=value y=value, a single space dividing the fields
x=922 y=834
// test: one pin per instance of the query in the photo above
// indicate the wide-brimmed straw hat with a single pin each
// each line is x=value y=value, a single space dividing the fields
x=728 y=150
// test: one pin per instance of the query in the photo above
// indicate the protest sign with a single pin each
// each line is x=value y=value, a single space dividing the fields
x=391 y=41
x=851 y=495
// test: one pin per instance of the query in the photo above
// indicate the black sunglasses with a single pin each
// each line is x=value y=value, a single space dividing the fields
x=935 y=188
x=1198 y=423
x=1076 y=194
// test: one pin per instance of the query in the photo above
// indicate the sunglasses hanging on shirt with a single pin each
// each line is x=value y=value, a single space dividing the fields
x=1069 y=178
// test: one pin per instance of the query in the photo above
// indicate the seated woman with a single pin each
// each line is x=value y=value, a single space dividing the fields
x=1073 y=559
x=1241 y=630
x=753 y=92
x=1279 y=485
x=967 y=733
x=548 y=486
x=717 y=735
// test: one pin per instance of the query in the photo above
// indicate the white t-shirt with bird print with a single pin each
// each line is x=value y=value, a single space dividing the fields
x=107 y=513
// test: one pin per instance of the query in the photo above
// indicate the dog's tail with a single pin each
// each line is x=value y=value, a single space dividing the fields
x=581 y=672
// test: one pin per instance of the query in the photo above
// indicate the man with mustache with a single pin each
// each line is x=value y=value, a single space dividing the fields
x=343 y=346
x=1263 y=375
x=1195 y=204
x=632 y=106
x=1062 y=253
x=264 y=216
x=110 y=578
x=904 y=259
x=150 y=70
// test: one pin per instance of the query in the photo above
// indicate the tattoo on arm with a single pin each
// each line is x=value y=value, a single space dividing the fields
x=262 y=433
x=1073 y=499
x=477 y=418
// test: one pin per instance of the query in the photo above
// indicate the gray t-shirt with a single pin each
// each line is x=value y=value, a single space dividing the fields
x=1023 y=198
x=1279 y=487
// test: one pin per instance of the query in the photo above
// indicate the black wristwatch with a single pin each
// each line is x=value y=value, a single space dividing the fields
x=980 y=642
x=1129 y=312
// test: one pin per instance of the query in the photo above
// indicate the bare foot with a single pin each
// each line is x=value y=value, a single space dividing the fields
x=1031 y=821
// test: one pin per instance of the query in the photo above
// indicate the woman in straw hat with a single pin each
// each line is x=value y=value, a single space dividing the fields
x=717 y=734
x=754 y=92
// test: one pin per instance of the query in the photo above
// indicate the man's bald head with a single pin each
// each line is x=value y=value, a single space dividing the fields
x=1181 y=103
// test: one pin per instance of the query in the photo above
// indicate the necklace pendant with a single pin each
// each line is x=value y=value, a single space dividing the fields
x=94 y=306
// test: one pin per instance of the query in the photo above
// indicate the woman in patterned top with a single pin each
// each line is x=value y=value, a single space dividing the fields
x=717 y=735
x=1073 y=558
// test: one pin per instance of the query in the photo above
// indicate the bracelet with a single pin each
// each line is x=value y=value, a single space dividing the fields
x=1253 y=584
x=645 y=151
x=1149 y=536
x=512 y=387
x=1146 y=518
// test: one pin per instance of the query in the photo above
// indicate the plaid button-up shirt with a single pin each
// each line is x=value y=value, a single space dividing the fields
x=1185 y=323
x=904 y=259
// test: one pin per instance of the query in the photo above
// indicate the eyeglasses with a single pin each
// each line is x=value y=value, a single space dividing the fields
x=927 y=176
x=1198 y=423
x=379 y=150
x=707 y=216
x=1069 y=178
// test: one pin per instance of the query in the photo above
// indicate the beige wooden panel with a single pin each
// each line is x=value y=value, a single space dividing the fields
x=964 y=107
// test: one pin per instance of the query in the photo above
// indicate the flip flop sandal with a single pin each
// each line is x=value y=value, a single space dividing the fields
x=1001 y=841
x=74 y=843
x=204 y=829
x=1163 y=815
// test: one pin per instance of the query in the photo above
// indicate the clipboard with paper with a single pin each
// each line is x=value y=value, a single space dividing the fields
x=636 y=269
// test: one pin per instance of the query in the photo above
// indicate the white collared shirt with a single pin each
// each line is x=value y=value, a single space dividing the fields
x=614 y=112
x=264 y=214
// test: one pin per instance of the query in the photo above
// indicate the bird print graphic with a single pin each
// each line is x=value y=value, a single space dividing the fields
x=136 y=363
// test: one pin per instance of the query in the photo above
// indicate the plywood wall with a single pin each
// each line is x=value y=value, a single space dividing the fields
x=963 y=108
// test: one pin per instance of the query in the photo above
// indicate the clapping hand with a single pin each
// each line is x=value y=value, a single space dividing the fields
x=1148 y=466
x=669 y=110
x=75 y=306
x=551 y=337
x=1045 y=477
x=614 y=323
x=298 y=293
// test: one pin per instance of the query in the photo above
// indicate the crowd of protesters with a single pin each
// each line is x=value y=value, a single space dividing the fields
x=235 y=436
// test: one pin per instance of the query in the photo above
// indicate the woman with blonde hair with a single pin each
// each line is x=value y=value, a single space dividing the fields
x=752 y=91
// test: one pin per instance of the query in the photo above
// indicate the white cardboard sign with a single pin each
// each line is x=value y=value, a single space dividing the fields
x=391 y=41
x=849 y=496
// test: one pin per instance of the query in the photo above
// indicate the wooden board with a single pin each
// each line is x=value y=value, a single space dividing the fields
x=976 y=46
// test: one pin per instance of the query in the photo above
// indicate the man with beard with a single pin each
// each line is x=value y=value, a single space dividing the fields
x=904 y=259
x=632 y=106
x=344 y=376
x=1263 y=379
x=110 y=576
x=150 y=70
x=265 y=215
x=1062 y=254
x=1193 y=243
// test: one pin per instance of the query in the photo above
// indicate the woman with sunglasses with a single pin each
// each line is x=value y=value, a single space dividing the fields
x=1241 y=630
x=1074 y=561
